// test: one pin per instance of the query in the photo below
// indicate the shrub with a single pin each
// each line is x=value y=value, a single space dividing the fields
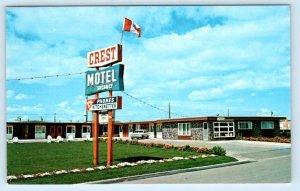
x=217 y=150
x=168 y=146
x=275 y=139
x=159 y=145
x=187 y=148
x=204 y=150
x=239 y=136
x=134 y=142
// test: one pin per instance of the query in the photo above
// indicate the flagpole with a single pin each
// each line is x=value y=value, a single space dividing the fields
x=122 y=36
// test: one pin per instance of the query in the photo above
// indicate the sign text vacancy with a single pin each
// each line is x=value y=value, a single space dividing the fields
x=108 y=103
x=108 y=79
x=105 y=56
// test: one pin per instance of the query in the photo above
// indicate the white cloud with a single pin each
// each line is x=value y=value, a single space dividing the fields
x=66 y=111
x=62 y=105
x=10 y=94
x=22 y=96
x=239 y=100
x=206 y=94
x=233 y=57
x=265 y=112
x=26 y=109
x=79 y=100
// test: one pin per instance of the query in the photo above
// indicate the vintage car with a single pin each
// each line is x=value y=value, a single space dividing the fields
x=140 y=134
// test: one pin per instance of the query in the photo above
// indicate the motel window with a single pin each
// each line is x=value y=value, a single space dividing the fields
x=70 y=129
x=184 y=129
x=9 y=129
x=245 y=125
x=138 y=127
x=223 y=129
x=151 y=128
x=85 y=129
x=267 y=125
x=40 y=129
x=158 y=128
x=104 y=129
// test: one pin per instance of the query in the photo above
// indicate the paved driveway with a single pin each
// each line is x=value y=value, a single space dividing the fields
x=233 y=148
x=273 y=164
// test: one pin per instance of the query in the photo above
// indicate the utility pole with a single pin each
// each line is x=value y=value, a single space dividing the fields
x=86 y=117
x=169 y=110
x=228 y=112
x=54 y=117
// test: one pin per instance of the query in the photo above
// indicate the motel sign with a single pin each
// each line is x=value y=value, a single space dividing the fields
x=108 y=79
x=102 y=104
x=105 y=56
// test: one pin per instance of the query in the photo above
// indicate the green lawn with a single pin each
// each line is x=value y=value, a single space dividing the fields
x=32 y=158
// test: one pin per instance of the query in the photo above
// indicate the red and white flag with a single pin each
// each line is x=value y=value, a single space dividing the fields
x=130 y=26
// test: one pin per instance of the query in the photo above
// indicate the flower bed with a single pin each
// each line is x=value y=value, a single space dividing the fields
x=203 y=150
x=275 y=139
x=120 y=165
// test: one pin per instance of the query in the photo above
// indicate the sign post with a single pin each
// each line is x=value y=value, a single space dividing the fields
x=110 y=133
x=95 y=133
x=109 y=79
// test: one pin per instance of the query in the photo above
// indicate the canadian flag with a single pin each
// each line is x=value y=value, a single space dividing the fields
x=130 y=26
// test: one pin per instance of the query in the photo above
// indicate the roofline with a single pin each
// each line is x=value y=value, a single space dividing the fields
x=205 y=118
x=159 y=121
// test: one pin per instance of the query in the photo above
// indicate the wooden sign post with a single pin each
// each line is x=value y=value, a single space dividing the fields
x=110 y=133
x=109 y=79
x=96 y=133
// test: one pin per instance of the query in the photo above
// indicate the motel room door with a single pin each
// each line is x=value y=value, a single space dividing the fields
x=205 y=131
x=70 y=131
x=59 y=131
x=125 y=131
x=9 y=132
x=55 y=131
x=85 y=130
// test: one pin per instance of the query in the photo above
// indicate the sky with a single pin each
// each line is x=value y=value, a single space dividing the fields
x=203 y=60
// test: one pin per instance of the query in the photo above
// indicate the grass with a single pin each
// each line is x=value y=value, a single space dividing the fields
x=41 y=157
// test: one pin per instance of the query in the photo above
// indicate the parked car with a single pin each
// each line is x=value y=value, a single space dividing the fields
x=140 y=134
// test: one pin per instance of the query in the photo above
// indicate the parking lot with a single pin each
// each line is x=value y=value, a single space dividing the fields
x=233 y=147
x=272 y=164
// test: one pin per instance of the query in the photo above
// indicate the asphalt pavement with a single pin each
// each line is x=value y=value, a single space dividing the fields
x=273 y=164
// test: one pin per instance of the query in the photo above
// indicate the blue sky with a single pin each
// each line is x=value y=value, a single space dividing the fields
x=202 y=59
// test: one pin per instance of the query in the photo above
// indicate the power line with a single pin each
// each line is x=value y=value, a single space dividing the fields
x=48 y=76
x=153 y=106
x=79 y=73
x=41 y=114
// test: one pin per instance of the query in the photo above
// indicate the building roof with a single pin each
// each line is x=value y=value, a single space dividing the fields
x=186 y=119
x=220 y=118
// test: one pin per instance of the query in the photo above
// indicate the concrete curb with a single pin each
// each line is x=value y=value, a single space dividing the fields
x=143 y=176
